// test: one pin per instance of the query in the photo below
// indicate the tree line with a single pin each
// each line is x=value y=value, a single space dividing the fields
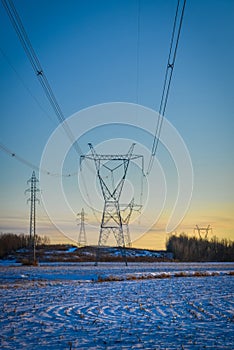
x=10 y=242
x=186 y=248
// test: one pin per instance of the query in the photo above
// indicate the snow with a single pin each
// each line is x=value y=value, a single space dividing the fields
x=9 y=262
x=71 y=250
x=64 y=307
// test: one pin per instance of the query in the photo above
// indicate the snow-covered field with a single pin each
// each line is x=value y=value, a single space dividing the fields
x=65 y=307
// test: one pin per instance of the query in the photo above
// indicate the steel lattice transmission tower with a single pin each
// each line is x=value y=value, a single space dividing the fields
x=126 y=214
x=111 y=191
x=82 y=239
x=202 y=230
x=33 y=199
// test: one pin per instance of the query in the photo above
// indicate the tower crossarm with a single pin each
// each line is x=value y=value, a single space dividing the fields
x=203 y=230
x=100 y=159
x=106 y=157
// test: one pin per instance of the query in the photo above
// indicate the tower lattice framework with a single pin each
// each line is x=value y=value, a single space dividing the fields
x=82 y=239
x=111 y=217
x=33 y=199
x=126 y=214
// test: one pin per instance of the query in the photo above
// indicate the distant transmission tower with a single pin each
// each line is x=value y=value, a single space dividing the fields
x=82 y=240
x=202 y=230
x=126 y=214
x=111 y=191
x=33 y=199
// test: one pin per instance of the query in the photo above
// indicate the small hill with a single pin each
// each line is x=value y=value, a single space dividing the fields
x=70 y=253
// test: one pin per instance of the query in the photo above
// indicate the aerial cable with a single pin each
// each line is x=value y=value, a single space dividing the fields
x=167 y=81
x=35 y=63
x=169 y=66
x=20 y=159
x=47 y=172
x=31 y=165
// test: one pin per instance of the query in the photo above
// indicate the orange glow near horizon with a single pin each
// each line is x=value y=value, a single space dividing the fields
x=221 y=221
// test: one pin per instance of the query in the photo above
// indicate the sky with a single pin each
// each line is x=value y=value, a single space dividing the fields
x=98 y=52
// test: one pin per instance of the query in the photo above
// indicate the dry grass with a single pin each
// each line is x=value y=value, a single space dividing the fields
x=231 y=273
x=162 y=275
x=110 y=279
x=181 y=274
x=29 y=262
x=200 y=274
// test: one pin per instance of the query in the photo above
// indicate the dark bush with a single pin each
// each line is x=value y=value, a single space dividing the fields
x=10 y=242
x=186 y=248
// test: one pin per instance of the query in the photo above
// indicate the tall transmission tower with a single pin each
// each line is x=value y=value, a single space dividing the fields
x=126 y=214
x=106 y=166
x=202 y=230
x=33 y=199
x=82 y=239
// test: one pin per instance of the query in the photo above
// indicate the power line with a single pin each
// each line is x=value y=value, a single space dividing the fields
x=168 y=77
x=31 y=165
x=47 y=172
x=36 y=65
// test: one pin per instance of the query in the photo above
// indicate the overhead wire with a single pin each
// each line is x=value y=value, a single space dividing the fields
x=47 y=172
x=36 y=65
x=31 y=165
x=167 y=80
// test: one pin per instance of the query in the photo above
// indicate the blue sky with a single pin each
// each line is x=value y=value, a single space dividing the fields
x=88 y=50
